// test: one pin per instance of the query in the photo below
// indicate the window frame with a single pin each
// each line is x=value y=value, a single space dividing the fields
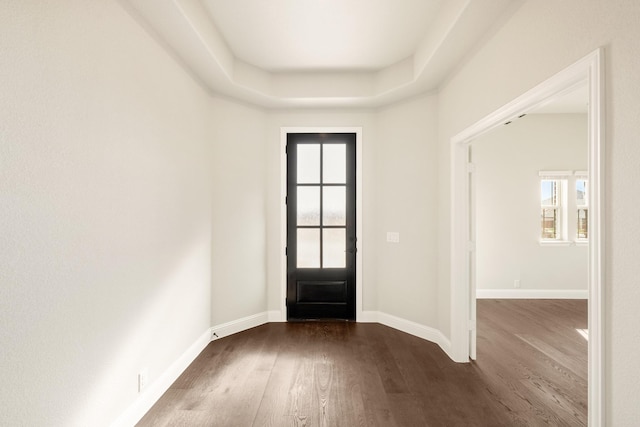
x=562 y=185
x=554 y=206
x=581 y=176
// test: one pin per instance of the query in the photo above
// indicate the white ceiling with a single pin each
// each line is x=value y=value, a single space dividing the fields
x=302 y=35
x=321 y=53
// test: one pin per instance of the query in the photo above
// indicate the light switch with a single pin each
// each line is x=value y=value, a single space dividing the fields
x=393 y=237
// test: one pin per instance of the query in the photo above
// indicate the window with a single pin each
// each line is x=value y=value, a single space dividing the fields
x=553 y=206
x=551 y=209
x=564 y=207
x=582 y=207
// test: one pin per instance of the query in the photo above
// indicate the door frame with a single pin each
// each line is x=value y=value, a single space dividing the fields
x=283 y=212
x=589 y=69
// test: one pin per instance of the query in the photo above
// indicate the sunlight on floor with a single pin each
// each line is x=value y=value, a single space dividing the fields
x=584 y=333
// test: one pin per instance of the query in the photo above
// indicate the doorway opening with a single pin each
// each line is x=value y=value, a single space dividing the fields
x=529 y=266
x=463 y=299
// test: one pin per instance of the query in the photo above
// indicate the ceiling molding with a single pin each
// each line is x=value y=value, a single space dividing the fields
x=186 y=29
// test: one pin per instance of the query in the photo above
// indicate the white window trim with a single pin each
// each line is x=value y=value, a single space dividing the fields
x=555 y=174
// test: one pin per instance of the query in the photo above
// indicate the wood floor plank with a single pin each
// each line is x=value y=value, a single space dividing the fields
x=533 y=384
x=374 y=396
x=531 y=371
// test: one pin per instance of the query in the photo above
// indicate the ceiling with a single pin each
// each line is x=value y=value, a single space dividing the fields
x=321 y=53
x=304 y=35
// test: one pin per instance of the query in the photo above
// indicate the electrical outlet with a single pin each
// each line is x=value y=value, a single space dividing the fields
x=393 y=237
x=143 y=379
x=516 y=283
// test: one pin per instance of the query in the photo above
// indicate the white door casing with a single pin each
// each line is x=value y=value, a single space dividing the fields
x=589 y=69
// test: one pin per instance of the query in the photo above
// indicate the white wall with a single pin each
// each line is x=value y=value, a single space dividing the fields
x=239 y=232
x=144 y=211
x=106 y=146
x=542 y=38
x=406 y=191
x=507 y=161
x=105 y=218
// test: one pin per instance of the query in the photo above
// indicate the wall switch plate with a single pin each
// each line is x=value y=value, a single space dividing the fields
x=393 y=237
x=516 y=283
x=143 y=379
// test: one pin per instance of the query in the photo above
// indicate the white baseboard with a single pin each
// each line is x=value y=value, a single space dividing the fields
x=156 y=389
x=239 y=325
x=532 y=294
x=416 y=329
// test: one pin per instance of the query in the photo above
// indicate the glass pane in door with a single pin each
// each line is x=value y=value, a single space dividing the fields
x=308 y=205
x=334 y=205
x=308 y=164
x=333 y=248
x=308 y=255
x=334 y=163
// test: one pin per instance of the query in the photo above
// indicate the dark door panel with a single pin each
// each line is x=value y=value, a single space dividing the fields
x=323 y=292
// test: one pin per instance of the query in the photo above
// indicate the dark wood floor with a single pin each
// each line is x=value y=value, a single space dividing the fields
x=531 y=371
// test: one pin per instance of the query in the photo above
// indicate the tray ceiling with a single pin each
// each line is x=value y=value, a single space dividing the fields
x=320 y=53
x=302 y=35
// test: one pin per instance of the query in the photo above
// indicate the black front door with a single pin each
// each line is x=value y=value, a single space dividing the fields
x=321 y=226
